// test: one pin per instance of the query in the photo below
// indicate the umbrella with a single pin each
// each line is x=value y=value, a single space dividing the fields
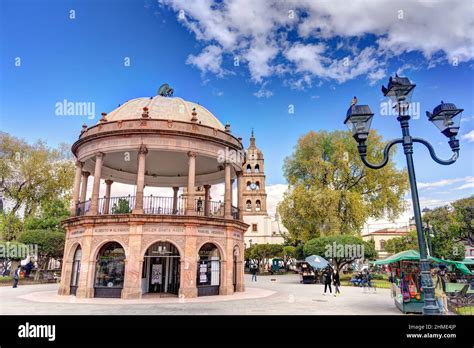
x=317 y=261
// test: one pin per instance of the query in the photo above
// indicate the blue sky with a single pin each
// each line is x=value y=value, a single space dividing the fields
x=312 y=56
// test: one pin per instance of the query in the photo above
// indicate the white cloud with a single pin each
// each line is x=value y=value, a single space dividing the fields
x=442 y=183
x=263 y=92
x=274 y=196
x=258 y=31
x=209 y=60
x=468 y=136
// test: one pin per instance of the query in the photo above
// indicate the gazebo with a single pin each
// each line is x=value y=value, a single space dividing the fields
x=130 y=246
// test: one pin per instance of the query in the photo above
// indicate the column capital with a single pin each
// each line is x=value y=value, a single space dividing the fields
x=100 y=155
x=176 y=188
x=79 y=164
x=239 y=174
x=143 y=150
x=109 y=182
x=207 y=186
x=86 y=174
x=192 y=154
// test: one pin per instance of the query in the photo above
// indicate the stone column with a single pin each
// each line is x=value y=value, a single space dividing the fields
x=140 y=180
x=240 y=190
x=85 y=178
x=132 y=287
x=227 y=281
x=175 y=200
x=207 y=203
x=188 y=274
x=240 y=270
x=94 y=208
x=85 y=288
x=76 y=189
x=227 y=192
x=190 y=204
x=108 y=188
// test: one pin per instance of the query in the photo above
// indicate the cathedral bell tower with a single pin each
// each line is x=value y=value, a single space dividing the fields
x=254 y=196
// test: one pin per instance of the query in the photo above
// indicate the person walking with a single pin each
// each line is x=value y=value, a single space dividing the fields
x=253 y=271
x=16 y=276
x=337 y=283
x=327 y=281
x=439 y=291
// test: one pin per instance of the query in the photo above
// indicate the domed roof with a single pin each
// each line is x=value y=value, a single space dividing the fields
x=164 y=108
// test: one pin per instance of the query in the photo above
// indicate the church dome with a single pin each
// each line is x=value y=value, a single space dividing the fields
x=165 y=108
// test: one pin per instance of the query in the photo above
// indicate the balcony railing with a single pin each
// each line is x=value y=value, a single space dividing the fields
x=154 y=205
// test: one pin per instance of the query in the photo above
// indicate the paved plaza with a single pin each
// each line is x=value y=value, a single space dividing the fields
x=283 y=295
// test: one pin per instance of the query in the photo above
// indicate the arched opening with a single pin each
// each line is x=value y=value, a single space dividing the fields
x=257 y=168
x=257 y=205
x=248 y=185
x=76 y=269
x=161 y=269
x=209 y=269
x=248 y=205
x=382 y=245
x=257 y=185
x=249 y=168
x=110 y=271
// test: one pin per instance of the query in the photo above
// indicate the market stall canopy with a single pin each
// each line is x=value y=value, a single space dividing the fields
x=317 y=261
x=413 y=255
x=407 y=255
x=469 y=262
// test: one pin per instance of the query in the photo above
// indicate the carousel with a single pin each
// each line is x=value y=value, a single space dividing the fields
x=177 y=245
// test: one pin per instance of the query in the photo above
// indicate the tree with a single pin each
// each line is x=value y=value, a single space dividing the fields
x=121 y=207
x=451 y=226
x=288 y=253
x=11 y=226
x=50 y=245
x=32 y=174
x=464 y=215
x=398 y=244
x=50 y=216
x=330 y=190
x=340 y=249
x=262 y=253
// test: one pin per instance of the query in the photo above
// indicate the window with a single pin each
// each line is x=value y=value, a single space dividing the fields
x=209 y=265
x=257 y=205
x=110 y=266
x=382 y=245
x=248 y=185
x=254 y=228
x=257 y=185
x=249 y=168
x=257 y=168
x=248 y=205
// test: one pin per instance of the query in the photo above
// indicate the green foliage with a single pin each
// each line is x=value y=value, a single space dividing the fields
x=261 y=253
x=32 y=174
x=451 y=226
x=121 y=207
x=407 y=242
x=289 y=251
x=340 y=249
x=11 y=226
x=332 y=192
x=50 y=216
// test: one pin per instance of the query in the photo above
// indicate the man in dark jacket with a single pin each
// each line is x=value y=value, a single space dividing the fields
x=253 y=271
x=16 y=276
x=327 y=281
x=337 y=283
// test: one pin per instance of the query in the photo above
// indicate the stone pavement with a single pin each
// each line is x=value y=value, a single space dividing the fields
x=285 y=295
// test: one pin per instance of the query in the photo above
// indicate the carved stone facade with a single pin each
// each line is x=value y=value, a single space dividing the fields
x=126 y=247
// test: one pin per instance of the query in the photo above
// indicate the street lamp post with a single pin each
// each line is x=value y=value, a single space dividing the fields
x=447 y=118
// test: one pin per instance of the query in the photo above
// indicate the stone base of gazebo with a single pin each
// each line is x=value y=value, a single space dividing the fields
x=179 y=255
